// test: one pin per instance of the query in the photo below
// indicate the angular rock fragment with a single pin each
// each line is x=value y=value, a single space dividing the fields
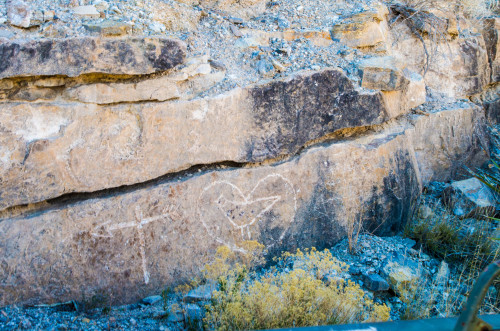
x=109 y=28
x=85 y=55
x=470 y=197
x=401 y=278
x=374 y=282
x=86 y=11
x=19 y=13
x=366 y=29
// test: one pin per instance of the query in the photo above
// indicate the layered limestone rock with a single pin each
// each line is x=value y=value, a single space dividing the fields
x=85 y=55
x=131 y=244
x=455 y=66
x=451 y=136
x=127 y=181
x=54 y=148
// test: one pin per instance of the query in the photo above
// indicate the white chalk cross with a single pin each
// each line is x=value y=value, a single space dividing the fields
x=138 y=223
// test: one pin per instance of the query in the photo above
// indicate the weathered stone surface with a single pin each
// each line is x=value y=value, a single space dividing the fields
x=457 y=68
x=381 y=73
x=374 y=282
x=159 y=89
x=401 y=278
x=201 y=293
x=492 y=111
x=490 y=100
x=470 y=197
x=366 y=29
x=448 y=138
x=109 y=28
x=131 y=244
x=86 y=11
x=19 y=13
x=491 y=36
x=411 y=95
x=84 y=55
x=48 y=149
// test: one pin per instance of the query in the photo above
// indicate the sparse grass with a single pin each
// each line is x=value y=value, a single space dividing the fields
x=466 y=243
x=449 y=238
x=292 y=294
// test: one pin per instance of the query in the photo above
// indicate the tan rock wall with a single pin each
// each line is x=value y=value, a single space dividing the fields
x=126 y=182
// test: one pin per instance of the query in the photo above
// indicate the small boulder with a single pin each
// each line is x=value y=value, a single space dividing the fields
x=19 y=13
x=151 y=300
x=193 y=313
x=401 y=278
x=201 y=293
x=469 y=197
x=375 y=283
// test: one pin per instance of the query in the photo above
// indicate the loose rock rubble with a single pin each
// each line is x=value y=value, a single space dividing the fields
x=380 y=265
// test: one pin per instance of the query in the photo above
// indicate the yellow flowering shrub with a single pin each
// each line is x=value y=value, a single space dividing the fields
x=277 y=298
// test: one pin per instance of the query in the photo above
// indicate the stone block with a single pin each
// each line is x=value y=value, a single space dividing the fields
x=470 y=197
x=109 y=28
x=366 y=29
x=374 y=282
x=85 y=55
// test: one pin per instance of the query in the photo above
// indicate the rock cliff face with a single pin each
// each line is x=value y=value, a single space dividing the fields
x=125 y=161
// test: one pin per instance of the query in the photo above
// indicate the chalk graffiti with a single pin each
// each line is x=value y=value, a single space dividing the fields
x=231 y=216
x=105 y=231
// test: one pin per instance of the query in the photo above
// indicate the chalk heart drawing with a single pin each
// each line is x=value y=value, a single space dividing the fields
x=231 y=215
x=106 y=229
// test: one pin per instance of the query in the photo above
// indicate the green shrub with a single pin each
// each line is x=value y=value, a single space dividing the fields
x=285 y=298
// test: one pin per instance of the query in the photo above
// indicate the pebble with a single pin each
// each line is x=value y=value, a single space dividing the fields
x=86 y=11
x=236 y=32
x=265 y=68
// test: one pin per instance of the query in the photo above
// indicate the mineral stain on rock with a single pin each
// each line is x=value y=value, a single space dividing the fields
x=84 y=55
x=295 y=111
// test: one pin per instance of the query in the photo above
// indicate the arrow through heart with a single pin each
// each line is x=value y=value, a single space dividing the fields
x=231 y=217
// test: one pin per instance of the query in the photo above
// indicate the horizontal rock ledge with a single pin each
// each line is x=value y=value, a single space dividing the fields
x=130 y=245
x=85 y=55
x=49 y=149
